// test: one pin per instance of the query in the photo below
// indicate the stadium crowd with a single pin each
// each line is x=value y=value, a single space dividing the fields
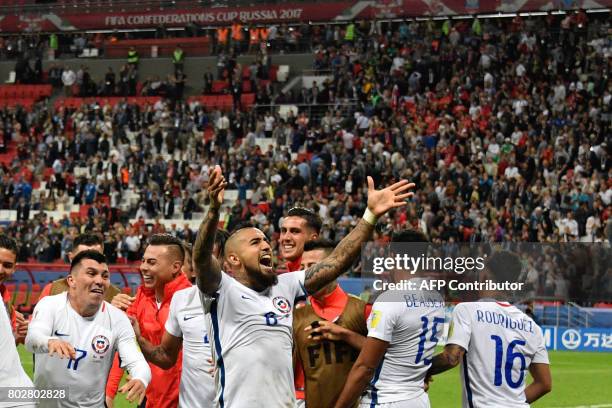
x=505 y=135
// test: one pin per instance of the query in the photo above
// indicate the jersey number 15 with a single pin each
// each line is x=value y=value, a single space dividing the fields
x=423 y=337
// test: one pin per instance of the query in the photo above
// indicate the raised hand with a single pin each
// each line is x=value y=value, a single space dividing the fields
x=381 y=201
x=216 y=187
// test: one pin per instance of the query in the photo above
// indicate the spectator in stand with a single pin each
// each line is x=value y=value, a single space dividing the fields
x=68 y=80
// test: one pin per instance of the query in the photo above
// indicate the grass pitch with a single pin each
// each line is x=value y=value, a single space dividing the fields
x=580 y=380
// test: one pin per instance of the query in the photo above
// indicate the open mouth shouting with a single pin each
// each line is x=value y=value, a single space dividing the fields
x=265 y=262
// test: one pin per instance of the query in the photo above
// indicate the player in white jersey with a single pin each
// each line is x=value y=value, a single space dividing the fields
x=185 y=327
x=250 y=314
x=81 y=326
x=11 y=371
x=12 y=374
x=403 y=330
x=495 y=343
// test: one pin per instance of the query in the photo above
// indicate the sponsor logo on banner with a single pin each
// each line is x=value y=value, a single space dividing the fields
x=582 y=339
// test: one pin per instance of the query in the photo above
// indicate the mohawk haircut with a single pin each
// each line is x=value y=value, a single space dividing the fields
x=174 y=244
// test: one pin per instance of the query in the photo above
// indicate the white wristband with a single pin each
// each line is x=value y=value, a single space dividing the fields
x=369 y=217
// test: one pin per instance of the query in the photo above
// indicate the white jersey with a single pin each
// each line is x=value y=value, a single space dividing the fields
x=186 y=320
x=500 y=342
x=412 y=322
x=252 y=338
x=11 y=371
x=95 y=340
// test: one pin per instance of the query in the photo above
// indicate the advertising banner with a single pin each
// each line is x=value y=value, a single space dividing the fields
x=583 y=339
x=278 y=13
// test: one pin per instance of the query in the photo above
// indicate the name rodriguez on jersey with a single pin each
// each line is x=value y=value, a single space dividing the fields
x=454 y=284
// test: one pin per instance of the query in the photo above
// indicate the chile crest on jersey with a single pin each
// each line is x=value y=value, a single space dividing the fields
x=282 y=304
x=100 y=344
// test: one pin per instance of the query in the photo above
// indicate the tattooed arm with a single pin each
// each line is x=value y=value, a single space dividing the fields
x=165 y=355
x=339 y=260
x=379 y=202
x=206 y=266
x=449 y=358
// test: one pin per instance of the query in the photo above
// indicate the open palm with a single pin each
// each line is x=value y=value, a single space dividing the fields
x=393 y=196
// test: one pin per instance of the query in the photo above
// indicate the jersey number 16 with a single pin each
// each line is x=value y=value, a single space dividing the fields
x=511 y=355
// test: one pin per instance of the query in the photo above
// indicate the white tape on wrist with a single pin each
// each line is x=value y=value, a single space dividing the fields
x=369 y=217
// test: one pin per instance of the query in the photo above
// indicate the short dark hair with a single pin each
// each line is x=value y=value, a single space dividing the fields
x=170 y=241
x=409 y=235
x=321 y=243
x=9 y=243
x=313 y=221
x=504 y=266
x=419 y=243
x=220 y=239
x=87 y=239
x=87 y=254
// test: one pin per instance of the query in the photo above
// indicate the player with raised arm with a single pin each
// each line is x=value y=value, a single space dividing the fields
x=495 y=343
x=75 y=334
x=250 y=314
x=184 y=328
x=403 y=330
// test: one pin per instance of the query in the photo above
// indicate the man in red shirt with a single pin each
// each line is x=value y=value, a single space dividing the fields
x=8 y=261
x=300 y=225
x=162 y=275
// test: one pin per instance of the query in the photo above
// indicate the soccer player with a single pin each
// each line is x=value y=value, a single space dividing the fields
x=250 y=314
x=495 y=343
x=11 y=372
x=82 y=242
x=185 y=327
x=81 y=327
x=327 y=351
x=300 y=225
x=403 y=331
x=8 y=261
x=162 y=274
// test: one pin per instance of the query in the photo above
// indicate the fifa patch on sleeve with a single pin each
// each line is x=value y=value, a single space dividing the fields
x=376 y=315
